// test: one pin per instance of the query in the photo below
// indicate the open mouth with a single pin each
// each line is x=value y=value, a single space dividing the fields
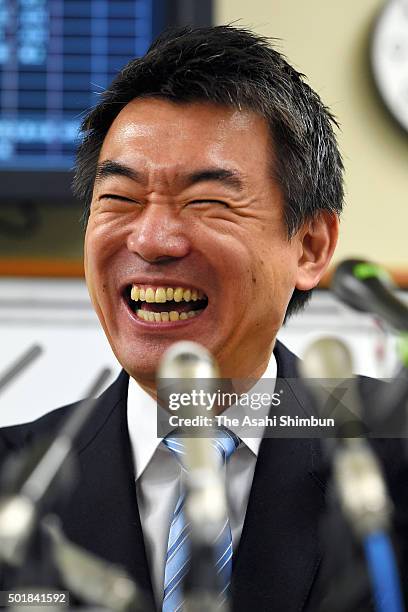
x=164 y=304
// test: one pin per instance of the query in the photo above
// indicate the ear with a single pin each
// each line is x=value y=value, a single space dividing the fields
x=318 y=239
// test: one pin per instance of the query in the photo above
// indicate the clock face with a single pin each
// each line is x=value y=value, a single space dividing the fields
x=389 y=55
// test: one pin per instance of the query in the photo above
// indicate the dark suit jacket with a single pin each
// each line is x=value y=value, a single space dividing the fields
x=277 y=567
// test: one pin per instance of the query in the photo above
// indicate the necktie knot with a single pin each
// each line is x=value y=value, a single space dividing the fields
x=224 y=442
x=174 y=443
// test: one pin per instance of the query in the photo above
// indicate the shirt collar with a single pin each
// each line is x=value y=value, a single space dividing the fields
x=254 y=443
x=142 y=425
x=142 y=422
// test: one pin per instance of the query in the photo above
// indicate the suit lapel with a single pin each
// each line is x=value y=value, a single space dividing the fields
x=102 y=515
x=278 y=555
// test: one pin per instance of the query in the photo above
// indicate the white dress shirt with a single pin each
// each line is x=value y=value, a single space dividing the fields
x=158 y=482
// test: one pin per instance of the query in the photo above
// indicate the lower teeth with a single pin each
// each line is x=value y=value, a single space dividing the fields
x=164 y=317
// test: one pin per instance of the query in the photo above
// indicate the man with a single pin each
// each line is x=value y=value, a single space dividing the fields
x=212 y=186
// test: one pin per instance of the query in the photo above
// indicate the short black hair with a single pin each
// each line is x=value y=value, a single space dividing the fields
x=237 y=68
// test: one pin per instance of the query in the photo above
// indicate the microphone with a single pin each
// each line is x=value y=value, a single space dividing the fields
x=367 y=287
x=356 y=471
x=191 y=365
x=358 y=481
x=91 y=579
x=188 y=360
x=327 y=357
x=31 y=540
x=327 y=369
x=21 y=511
x=20 y=365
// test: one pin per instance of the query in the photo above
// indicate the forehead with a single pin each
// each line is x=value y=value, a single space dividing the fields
x=176 y=134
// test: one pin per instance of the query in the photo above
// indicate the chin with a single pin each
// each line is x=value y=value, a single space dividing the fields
x=141 y=362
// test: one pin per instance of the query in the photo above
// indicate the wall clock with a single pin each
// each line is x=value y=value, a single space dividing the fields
x=389 y=58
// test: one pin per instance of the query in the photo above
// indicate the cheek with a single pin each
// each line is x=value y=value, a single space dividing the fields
x=89 y=255
x=274 y=276
x=100 y=243
x=232 y=262
x=95 y=264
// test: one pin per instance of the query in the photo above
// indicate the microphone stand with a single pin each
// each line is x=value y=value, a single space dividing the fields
x=89 y=578
x=21 y=512
x=185 y=366
x=359 y=493
x=20 y=365
x=32 y=545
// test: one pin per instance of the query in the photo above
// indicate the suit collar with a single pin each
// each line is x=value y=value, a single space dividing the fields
x=102 y=515
x=114 y=398
x=287 y=362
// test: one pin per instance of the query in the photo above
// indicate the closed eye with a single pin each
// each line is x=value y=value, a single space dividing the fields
x=112 y=196
x=209 y=202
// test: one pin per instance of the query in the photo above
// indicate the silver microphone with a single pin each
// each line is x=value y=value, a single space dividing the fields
x=187 y=359
x=327 y=357
x=189 y=365
x=21 y=512
x=327 y=369
x=357 y=473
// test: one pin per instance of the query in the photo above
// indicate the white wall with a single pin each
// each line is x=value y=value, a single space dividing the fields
x=58 y=315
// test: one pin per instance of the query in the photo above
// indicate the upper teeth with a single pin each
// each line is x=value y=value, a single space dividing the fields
x=165 y=294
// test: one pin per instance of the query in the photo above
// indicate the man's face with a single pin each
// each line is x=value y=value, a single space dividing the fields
x=184 y=200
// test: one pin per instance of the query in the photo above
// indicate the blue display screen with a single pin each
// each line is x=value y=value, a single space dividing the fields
x=55 y=57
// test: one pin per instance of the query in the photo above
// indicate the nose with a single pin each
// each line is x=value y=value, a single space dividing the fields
x=159 y=235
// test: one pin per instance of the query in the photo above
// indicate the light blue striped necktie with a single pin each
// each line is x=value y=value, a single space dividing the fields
x=178 y=548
